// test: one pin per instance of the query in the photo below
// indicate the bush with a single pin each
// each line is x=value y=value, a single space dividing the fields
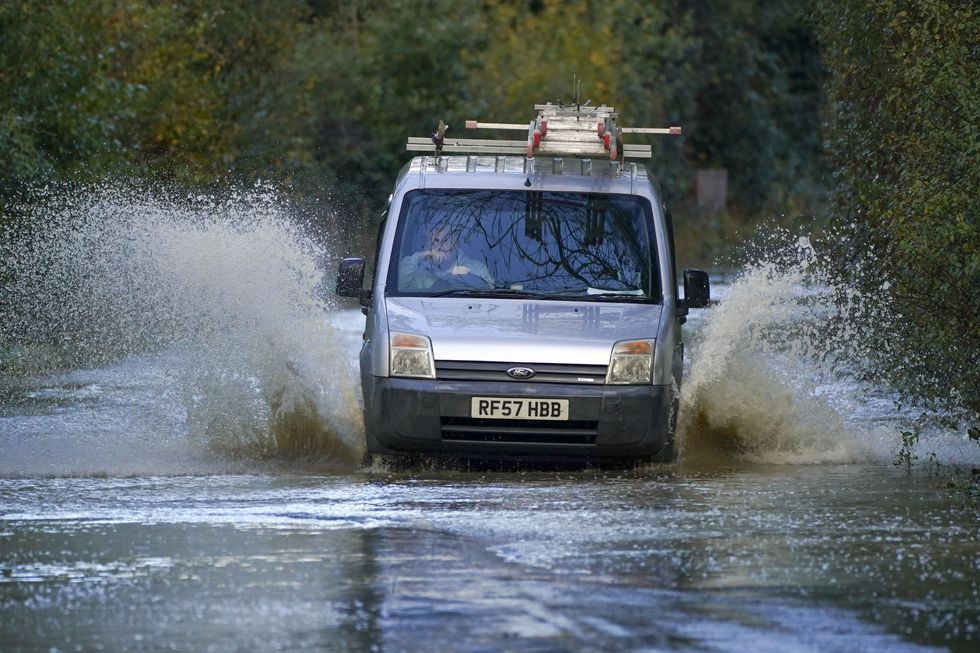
x=905 y=140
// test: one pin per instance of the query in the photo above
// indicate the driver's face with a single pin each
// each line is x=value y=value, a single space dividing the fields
x=441 y=242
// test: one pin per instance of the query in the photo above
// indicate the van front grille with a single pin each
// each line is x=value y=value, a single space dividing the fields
x=543 y=372
x=526 y=431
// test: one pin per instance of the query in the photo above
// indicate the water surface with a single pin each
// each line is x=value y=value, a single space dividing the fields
x=184 y=474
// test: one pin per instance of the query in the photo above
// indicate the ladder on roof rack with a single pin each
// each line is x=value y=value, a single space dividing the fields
x=577 y=131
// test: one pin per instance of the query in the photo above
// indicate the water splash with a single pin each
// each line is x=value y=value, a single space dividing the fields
x=144 y=335
x=227 y=293
x=776 y=374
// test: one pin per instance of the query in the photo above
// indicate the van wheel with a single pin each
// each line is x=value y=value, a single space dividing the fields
x=668 y=453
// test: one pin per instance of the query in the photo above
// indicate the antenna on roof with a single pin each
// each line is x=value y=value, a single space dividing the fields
x=577 y=94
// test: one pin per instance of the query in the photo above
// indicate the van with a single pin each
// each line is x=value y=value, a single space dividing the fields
x=524 y=299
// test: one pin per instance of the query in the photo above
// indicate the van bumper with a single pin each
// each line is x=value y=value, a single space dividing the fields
x=606 y=422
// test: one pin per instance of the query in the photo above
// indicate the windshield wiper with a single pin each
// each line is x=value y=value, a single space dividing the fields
x=488 y=292
x=619 y=296
x=606 y=297
x=512 y=293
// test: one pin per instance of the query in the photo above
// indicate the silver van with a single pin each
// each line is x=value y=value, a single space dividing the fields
x=524 y=301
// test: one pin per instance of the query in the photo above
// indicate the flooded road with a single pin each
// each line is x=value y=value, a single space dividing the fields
x=749 y=556
x=208 y=495
x=106 y=543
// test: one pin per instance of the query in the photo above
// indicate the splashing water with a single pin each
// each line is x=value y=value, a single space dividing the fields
x=766 y=382
x=200 y=329
x=223 y=297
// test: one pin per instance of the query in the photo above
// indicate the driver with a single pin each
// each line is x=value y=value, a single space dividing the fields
x=440 y=261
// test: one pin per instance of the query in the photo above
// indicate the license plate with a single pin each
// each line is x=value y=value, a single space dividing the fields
x=519 y=408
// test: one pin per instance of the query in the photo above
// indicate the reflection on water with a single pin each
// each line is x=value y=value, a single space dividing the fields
x=197 y=488
x=773 y=557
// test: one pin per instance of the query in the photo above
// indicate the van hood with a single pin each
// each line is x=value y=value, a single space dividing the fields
x=522 y=331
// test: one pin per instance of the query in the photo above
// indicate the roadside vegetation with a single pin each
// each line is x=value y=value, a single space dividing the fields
x=318 y=96
x=859 y=117
x=904 y=146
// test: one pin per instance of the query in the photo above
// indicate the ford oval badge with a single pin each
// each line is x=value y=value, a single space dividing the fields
x=520 y=373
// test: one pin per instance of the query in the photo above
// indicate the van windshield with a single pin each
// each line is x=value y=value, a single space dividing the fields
x=525 y=243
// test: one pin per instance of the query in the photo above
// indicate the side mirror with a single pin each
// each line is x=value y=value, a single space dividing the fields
x=350 y=277
x=697 y=290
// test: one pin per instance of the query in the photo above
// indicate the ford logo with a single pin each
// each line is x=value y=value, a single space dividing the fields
x=520 y=372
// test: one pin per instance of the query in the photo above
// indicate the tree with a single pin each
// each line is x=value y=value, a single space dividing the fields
x=758 y=102
x=905 y=137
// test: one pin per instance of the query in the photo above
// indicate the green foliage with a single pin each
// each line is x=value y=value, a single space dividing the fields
x=905 y=137
x=319 y=95
x=58 y=110
x=158 y=89
x=758 y=102
x=907 y=455
x=376 y=74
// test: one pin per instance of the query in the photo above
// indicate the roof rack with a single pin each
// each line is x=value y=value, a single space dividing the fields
x=579 y=130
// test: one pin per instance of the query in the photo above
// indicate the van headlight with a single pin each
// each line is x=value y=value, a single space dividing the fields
x=631 y=362
x=411 y=355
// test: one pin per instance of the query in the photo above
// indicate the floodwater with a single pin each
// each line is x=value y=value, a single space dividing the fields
x=200 y=489
x=764 y=557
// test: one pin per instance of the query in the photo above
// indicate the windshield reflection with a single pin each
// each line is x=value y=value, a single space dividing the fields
x=525 y=244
